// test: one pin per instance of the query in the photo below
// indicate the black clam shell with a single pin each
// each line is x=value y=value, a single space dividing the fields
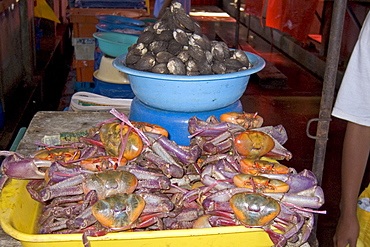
x=176 y=45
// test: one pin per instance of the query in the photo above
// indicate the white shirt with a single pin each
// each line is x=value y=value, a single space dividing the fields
x=353 y=99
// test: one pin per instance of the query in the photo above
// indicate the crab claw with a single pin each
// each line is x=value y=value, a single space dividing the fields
x=16 y=166
x=309 y=198
x=246 y=120
x=297 y=182
x=198 y=127
x=277 y=238
x=260 y=183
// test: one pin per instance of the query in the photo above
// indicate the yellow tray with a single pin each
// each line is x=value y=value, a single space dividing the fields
x=19 y=213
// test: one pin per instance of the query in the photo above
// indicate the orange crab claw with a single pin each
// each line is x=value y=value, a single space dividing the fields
x=253 y=144
x=254 y=210
x=110 y=182
x=256 y=167
x=118 y=211
x=112 y=135
x=58 y=154
x=152 y=128
x=102 y=163
x=246 y=120
x=260 y=184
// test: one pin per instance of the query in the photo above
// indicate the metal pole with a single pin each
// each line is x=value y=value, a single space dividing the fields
x=327 y=97
x=237 y=17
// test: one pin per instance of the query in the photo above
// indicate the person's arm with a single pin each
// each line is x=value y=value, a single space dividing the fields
x=166 y=4
x=355 y=154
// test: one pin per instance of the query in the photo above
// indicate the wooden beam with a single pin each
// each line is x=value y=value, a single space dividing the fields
x=5 y=4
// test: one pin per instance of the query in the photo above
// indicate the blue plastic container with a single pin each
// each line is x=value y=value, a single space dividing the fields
x=119 y=28
x=84 y=86
x=114 y=44
x=176 y=123
x=116 y=19
x=113 y=90
x=183 y=93
x=114 y=4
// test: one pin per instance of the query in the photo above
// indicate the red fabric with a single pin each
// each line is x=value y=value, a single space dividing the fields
x=254 y=7
x=291 y=16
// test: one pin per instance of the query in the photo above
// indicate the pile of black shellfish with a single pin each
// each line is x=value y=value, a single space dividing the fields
x=175 y=45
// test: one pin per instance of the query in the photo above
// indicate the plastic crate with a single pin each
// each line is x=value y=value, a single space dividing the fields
x=84 y=70
x=84 y=86
x=118 y=4
x=17 y=139
x=84 y=48
x=19 y=214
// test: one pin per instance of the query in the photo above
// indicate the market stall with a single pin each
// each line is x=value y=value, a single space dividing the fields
x=61 y=121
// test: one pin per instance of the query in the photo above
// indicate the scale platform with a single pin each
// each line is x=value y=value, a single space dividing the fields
x=176 y=123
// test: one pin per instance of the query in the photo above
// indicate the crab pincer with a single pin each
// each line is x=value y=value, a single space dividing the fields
x=260 y=183
x=246 y=120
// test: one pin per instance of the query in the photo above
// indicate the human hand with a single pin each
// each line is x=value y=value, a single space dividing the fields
x=347 y=231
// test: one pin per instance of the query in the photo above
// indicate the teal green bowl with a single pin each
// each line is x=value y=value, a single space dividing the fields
x=114 y=44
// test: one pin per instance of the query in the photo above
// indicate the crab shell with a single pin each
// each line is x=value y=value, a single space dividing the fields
x=253 y=209
x=112 y=136
x=110 y=182
x=253 y=144
x=118 y=212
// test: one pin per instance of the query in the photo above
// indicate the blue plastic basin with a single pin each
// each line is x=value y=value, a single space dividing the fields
x=113 y=90
x=119 y=20
x=119 y=28
x=189 y=93
x=114 y=44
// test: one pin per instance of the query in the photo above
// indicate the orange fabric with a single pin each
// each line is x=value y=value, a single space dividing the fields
x=275 y=13
x=291 y=16
x=254 y=7
x=43 y=10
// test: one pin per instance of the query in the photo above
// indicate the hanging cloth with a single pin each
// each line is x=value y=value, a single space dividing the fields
x=43 y=10
x=294 y=17
x=254 y=7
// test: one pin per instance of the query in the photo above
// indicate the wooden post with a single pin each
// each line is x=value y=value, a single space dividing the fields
x=27 y=39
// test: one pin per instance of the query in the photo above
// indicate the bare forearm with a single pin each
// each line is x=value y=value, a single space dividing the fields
x=356 y=149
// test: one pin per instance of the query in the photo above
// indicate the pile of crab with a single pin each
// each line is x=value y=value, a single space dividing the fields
x=125 y=175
